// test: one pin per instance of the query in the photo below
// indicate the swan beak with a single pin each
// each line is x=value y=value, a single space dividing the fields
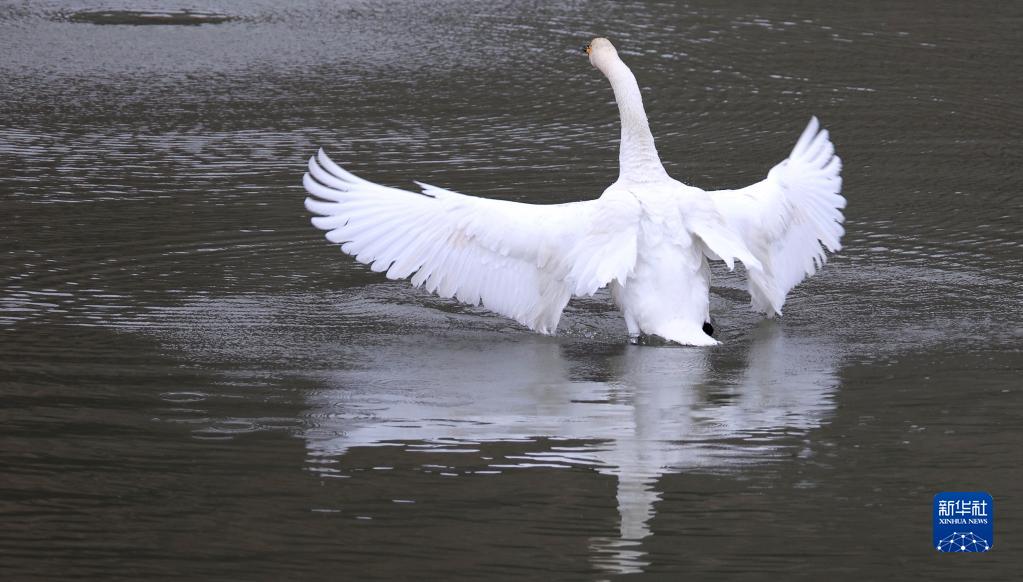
x=586 y=48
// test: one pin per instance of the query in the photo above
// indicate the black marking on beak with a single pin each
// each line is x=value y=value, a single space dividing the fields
x=585 y=48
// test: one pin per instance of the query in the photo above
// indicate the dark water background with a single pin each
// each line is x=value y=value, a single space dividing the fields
x=195 y=385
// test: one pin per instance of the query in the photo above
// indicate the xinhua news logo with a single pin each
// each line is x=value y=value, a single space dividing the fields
x=964 y=521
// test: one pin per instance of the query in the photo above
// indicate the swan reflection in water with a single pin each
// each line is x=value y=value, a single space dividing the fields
x=641 y=412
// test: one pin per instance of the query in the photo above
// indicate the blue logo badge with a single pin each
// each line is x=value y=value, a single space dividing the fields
x=964 y=521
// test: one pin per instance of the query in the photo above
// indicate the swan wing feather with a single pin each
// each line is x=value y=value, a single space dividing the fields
x=523 y=261
x=789 y=219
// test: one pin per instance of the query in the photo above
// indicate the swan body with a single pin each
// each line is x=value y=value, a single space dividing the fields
x=648 y=236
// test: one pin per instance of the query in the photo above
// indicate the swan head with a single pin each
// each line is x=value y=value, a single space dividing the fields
x=602 y=53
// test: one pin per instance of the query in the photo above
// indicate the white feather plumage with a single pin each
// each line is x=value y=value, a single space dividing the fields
x=785 y=218
x=648 y=236
x=523 y=261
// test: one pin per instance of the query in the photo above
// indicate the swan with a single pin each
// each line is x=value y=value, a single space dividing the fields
x=648 y=236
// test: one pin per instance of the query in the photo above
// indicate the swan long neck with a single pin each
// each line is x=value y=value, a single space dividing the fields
x=638 y=160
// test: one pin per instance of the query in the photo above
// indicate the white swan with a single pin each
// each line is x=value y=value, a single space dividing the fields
x=648 y=236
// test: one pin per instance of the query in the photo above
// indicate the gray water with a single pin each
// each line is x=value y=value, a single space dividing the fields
x=195 y=385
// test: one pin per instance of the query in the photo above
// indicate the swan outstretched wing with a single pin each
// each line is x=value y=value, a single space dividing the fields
x=523 y=261
x=786 y=218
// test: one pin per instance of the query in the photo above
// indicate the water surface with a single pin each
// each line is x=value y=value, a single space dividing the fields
x=196 y=385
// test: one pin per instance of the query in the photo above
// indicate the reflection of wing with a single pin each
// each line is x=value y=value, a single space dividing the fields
x=634 y=413
x=785 y=218
x=523 y=261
